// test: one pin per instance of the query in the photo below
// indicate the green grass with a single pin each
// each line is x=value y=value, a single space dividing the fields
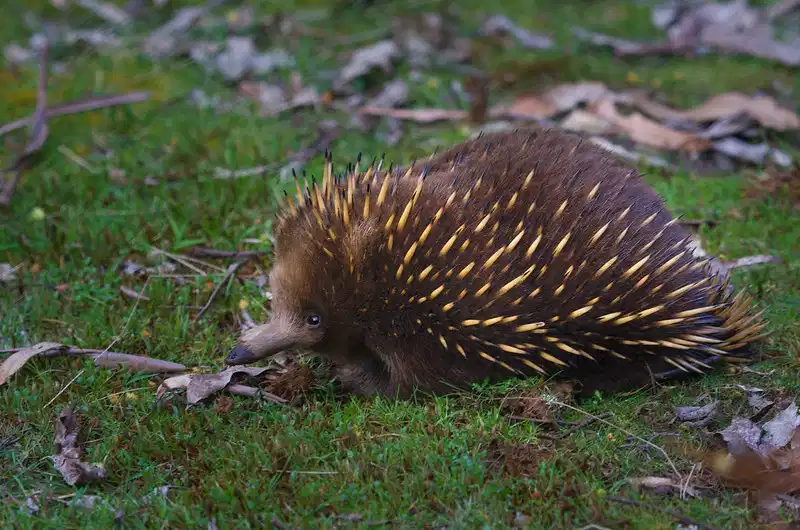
x=425 y=464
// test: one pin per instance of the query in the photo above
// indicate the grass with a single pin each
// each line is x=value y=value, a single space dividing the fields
x=438 y=462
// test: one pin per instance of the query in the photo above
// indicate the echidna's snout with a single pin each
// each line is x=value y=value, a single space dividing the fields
x=260 y=342
x=240 y=355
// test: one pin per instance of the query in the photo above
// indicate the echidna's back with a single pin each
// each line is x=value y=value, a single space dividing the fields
x=552 y=255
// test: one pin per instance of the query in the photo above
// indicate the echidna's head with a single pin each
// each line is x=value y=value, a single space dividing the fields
x=317 y=292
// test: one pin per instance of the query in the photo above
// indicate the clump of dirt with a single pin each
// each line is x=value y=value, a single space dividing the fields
x=528 y=405
x=516 y=460
x=534 y=404
x=293 y=380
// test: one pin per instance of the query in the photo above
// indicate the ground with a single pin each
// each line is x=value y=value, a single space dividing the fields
x=456 y=461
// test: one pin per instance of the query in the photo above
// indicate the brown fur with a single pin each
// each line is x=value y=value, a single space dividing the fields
x=389 y=335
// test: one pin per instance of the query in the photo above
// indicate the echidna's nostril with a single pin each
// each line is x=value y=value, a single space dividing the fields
x=239 y=355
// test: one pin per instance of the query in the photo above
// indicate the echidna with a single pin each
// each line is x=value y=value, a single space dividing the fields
x=514 y=254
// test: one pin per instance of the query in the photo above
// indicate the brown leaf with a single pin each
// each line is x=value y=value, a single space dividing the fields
x=18 y=359
x=557 y=99
x=67 y=458
x=426 y=115
x=645 y=131
x=768 y=476
x=200 y=386
x=763 y=109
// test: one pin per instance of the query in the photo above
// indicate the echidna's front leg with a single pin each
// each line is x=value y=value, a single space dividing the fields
x=360 y=371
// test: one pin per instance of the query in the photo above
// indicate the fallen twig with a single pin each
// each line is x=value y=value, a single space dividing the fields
x=127 y=291
x=749 y=261
x=232 y=268
x=251 y=391
x=676 y=514
x=222 y=173
x=186 y=261
x=37 y=137
x=576 y=427
x=20 y=356
x=76 y=107
x=202 y=252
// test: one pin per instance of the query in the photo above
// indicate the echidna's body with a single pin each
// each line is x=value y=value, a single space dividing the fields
x=518 y=253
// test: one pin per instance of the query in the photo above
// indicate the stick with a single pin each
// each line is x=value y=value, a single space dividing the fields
x=232 y=268
x=78 y=106
x=577 y=426
x=37 y=136
x=202 y=252
x=677 y=515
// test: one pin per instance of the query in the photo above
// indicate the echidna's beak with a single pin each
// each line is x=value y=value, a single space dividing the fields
x=260 y=342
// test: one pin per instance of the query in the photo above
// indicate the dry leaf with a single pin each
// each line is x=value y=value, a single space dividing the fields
x=756 y=153
x=763 y=109
x=18 y=359
x=163 y=41
x=428 y=115
x=645 y=131
x=200 y=386
x=779 y=431
x=697 y=416
x=379 y=55
x=557 y=99
x=581 y=121
x=770 y=476
x=626 y=154
x=757 y=42
x=67 y=458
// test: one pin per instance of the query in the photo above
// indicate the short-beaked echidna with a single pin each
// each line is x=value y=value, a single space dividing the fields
x=516 y=253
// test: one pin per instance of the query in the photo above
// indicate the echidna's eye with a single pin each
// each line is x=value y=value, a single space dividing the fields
x=313 y=320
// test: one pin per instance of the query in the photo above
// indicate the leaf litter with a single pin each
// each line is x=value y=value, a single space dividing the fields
x=67 y=459
x=107 y=359
x=697 y=27
x=762 y=459
x=284 y=380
